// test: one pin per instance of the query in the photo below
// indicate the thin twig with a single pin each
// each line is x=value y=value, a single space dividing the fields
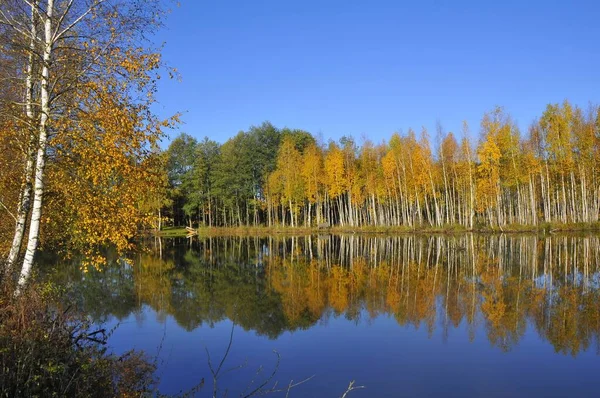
x=228 y=349
x=293 y=385
x=215 y=373
x=259 y=390
x=350 y=388
x=256 y=374
x=8 y=211
x=243 y=365
x=268 y=380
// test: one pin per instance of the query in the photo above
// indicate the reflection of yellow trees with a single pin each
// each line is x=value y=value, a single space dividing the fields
x=338 y=288
x=493 y=306
x=495 y=284
x=306 y=288
x=153 y=282
x=564 y=331
x=569 y=318
x=503 y=307
x=505 y=280
x=300 y=287
x=315 y=292
x=417 y=292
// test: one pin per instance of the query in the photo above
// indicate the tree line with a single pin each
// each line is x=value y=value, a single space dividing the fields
x=285 y=177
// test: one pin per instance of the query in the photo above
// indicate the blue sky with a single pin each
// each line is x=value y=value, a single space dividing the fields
x=369 y=68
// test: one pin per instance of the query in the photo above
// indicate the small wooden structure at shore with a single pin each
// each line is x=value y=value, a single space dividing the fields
x=191 y=231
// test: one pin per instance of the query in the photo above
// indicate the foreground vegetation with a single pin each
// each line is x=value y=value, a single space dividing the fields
x=47 y=349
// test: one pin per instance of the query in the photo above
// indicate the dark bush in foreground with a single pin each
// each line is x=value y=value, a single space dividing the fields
x=47 y=350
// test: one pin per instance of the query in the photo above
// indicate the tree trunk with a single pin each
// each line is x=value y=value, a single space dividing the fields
x=291 y=214
x=210 y=224
x=25 y=195
x=36 y=215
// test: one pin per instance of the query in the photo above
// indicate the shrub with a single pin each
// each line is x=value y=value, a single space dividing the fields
x=47 y=350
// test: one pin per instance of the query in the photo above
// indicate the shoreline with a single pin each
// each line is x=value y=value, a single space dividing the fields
x=544 y=229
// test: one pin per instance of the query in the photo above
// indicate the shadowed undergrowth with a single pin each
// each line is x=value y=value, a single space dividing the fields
x=49 y=350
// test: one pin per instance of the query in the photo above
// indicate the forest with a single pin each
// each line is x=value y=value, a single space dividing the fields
x=287 y=178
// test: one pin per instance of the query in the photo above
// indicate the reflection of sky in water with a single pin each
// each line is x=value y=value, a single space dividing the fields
x=546 y=294
x=391 y=360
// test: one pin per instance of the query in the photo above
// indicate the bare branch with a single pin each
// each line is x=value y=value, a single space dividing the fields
x=228 y=349
x=6 y=20
x=293 y=385
x=64 y=15
x=259 y=390
x=351 y=387
x=8 y=211
x=76 y=21
x=33 y=6
x=216 y=373
x=85 y=70
x=268 y=380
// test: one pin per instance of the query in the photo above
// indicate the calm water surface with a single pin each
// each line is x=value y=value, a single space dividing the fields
x=465 y=315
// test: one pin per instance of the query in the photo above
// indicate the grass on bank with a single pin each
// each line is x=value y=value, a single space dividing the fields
x=544 y=228
x=173 y=232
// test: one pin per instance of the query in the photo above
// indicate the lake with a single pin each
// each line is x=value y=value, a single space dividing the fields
x=424 y=315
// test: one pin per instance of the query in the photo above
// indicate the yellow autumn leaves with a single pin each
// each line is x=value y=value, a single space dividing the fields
x=551 y=174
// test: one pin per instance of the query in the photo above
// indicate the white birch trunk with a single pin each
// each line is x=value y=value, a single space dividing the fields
x=36 y=214
x=25 y=195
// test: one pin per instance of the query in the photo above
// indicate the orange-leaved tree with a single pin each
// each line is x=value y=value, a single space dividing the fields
x=67 y=47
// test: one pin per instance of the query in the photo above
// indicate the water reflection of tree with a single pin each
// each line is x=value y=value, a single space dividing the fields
x=272 y=285
x=104 y=294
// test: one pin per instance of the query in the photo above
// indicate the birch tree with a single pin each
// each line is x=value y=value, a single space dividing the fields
x=312 y=174
x=71 y=42
x=21 y=33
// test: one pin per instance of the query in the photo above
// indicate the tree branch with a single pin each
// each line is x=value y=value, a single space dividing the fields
x=8 y=211
x=57 y=35
x=350 y=388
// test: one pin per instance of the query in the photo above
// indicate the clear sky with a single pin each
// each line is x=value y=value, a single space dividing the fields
x=369 y=68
